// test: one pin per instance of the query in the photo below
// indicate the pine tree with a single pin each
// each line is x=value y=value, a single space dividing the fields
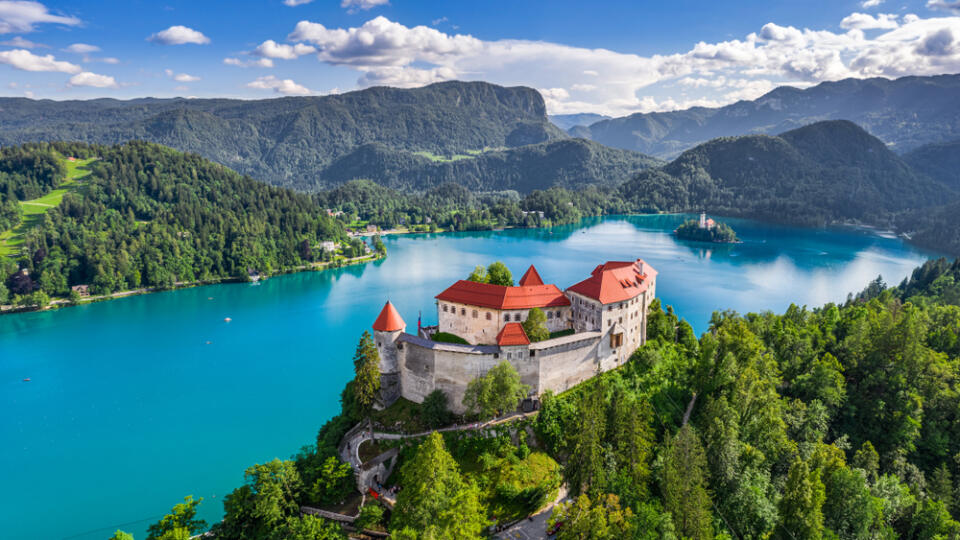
x=586 y=465
x=801 y=507
x=684 y=485
x=434 y=497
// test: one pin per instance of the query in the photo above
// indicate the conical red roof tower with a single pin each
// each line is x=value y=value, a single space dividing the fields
x=389 y=320
x=531 y=277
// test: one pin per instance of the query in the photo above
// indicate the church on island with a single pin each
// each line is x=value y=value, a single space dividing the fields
x=597 y=324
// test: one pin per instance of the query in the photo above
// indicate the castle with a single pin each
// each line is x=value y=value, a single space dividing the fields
x=601 y=321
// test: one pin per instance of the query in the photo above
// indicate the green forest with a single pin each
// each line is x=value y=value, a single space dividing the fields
x=838 y=422
x=146 y=216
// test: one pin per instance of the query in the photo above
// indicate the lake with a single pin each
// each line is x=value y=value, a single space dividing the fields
x=135 y=403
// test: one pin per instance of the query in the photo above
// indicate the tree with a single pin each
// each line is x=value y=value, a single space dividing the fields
x=121 y=535
x=309 y=527
x=260 y=508
x=499 y=274
x=584 y=519
x=586 y=466
x=366 y=367
x=333 y=481
x=498 y=391
x=536 y=325
x=801 y=507
x=434 y=411
x=684 y=485
x=4 y=293
x=370 y=516
x=632 y=439
x=434 y=498
x=179 y=523
x=478 y=275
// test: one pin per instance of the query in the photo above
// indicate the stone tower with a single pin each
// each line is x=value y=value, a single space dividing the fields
x=386 y=329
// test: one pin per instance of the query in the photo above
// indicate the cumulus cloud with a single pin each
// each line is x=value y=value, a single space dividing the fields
x=952 y=6
x=92 y=79
x=179 y=35
x=22 y=16
x=295 y=3
x=272 y=49
x=352 y=6
x=180 y=77
x=82 y=48
x=257 y=62
x=280 y=86
x=27 y=61
x=609 y=82
x=870 y=3
x=865 y=21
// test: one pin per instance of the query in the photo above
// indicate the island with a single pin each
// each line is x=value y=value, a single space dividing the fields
x=706 y=230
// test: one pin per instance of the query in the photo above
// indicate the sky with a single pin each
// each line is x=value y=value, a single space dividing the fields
x=613 y=58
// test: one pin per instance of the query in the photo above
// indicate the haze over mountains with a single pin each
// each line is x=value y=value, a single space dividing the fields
x=905 y=113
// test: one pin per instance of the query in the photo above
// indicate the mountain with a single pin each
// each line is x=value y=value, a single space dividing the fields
x=570 y=163
x=288 y=141
x=940 y=161
x=905 y=113
x=567 y=121
x=826 y=172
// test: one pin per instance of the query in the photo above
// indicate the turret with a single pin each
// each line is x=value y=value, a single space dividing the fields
x=386 y=329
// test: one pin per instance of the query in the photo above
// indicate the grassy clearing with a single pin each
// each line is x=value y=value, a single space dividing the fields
x=33 y=210
x=446 y=159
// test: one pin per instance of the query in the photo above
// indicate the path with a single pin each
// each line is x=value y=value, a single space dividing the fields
x=534 y=527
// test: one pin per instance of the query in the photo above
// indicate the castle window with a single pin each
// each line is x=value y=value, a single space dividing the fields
x=616 y=340
x=609 y=322
x=621 y=320
x=506 y=317
x=496 y=355
x=489 y=316
x=474 y=314
x=549 y=314
x=533 y=353
x=609 y=308
x=445 y=308
x=400 y=346
x=463 y=311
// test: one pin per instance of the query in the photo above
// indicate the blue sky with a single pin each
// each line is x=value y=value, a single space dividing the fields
x=606 y=57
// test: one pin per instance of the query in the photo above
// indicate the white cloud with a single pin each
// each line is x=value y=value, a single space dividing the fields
x=22 y=43
x=437 y=22
x=295 y=3
x=280 y=86
x=27 y=61
x=92 y=79
x=272 y=49
x=870 y=3
x=865 y=21
x=609 y=82
x=952 y=6
x=82 y=48
x=259 y=62
x=179 y=35
x=180 y=77
x=353 y=5
x=21 y=16
x=108 y=60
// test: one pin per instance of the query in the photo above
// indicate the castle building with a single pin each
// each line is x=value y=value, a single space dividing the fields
x=598 y=322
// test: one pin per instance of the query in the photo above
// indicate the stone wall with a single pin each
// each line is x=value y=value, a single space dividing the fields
x=480 y=325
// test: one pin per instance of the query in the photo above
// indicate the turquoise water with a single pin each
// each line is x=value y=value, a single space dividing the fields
x=130 y=409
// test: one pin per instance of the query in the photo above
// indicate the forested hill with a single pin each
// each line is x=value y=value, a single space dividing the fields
x=940 y=161
x=570 y=163
x=145 y=215
x=905 y=113
x=292 y=140
x=826 y=172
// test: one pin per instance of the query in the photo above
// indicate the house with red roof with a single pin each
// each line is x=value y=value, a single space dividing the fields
x=598 y=323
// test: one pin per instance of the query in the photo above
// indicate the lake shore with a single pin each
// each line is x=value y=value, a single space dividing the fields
x=62 y=303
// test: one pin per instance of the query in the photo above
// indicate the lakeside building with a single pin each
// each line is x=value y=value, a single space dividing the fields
x=602 y=319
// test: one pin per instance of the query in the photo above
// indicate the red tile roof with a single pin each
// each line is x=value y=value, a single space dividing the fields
x=531 y=277
x=616 y=281
x=487 y=295
x=389 y=320
x=512 y=334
